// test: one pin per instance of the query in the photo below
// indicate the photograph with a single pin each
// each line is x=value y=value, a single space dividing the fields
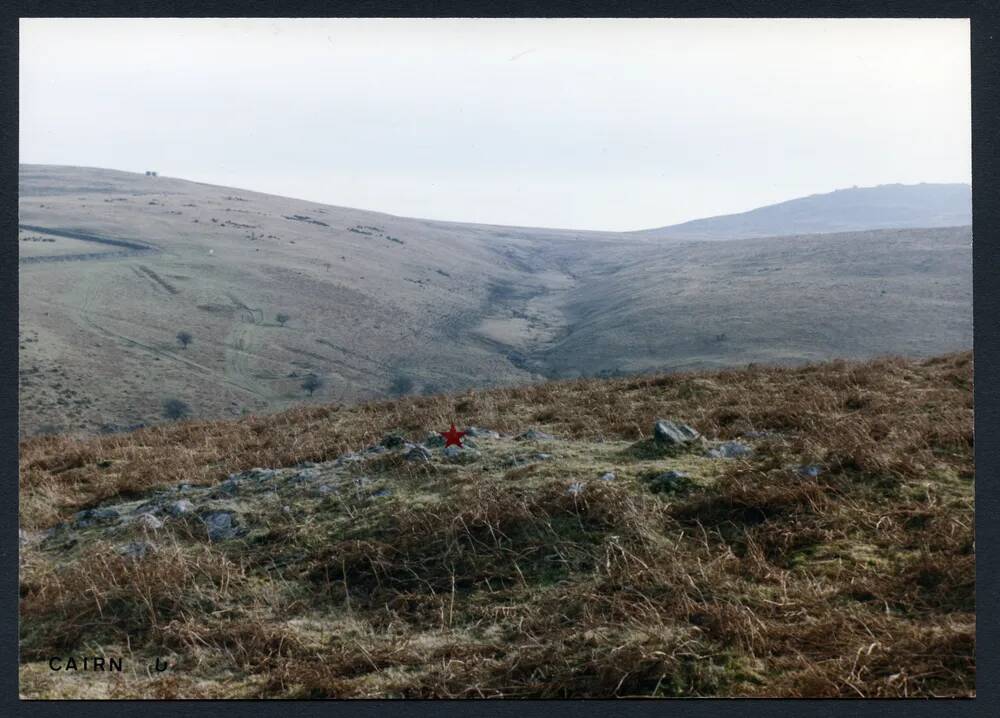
x=494 y=358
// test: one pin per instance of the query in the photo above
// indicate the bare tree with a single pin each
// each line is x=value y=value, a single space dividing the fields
x=184 y=338
x=311 y=383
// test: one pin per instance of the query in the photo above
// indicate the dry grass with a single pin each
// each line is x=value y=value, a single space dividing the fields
x=856 y=582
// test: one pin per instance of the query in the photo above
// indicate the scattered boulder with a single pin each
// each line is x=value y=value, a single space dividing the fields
x=149 y=522
x=534 y=435
x=480 y=432
x=220 y=525
x=542 y=456
x=179 y=508
x=91 y=517
x=810 y=470
x=136 y=549
x=433 y=440
x=669 y=482
x=609 y=476
x=670 y=434
x=393 y=441
x=417 y=452
x=729 y=450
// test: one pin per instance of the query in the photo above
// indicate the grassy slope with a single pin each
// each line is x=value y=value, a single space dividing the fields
x=490 y=579
x=452 y=306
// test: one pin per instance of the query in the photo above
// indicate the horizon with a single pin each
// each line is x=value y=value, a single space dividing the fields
x=519 y=226
x=601 y=125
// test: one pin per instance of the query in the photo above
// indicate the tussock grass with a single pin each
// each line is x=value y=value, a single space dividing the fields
x=496 y=582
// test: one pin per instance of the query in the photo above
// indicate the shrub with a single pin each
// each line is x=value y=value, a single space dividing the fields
x=175 y=409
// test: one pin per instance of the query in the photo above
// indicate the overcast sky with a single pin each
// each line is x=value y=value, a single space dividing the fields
x=589 y=124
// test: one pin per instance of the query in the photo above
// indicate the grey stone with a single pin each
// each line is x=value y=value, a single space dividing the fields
x=22 y=537
x=376 y=449
x=393 y=441
x=220 y=525
x=433 y=439
x=810 y=470
x=148 y=521
x=669 y=482
x=729 y=450
x=90 y=517
x=609 y=476
x=136 y=549
x=229 y=487
x=671 y=434
x=382 y=492
x=534 y=435
x=452 y=452
x=575 y=489
x=542 y=456
x=482 y=433
x=179 y=508
x=418 y=453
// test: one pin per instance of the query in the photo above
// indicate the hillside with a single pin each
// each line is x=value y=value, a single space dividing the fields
x=856 y=209
x=816 y=541
x=114 y=265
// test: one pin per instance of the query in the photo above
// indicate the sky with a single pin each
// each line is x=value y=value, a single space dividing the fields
x=582 y=124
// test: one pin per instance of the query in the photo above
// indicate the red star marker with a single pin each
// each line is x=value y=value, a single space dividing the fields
x=452 y=437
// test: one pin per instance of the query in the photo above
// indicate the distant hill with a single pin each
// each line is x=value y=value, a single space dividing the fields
x=889 y=206
x=114 y=266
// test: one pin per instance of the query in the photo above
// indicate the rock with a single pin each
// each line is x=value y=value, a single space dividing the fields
x=418 y=453
x=22 y=537
x=376 y=449
x=669 y=482
x=457 y=455
x=150 y=507
x=305 y=465
x=729 y=450
x=542 y=456
x=393 y=441
x=229 y=487
x=480 y=432
x=136 y=549
x=179 y=508
x=90 y=517
x=184 y=488
x=534 y=435
x=149 y=522
x=810 y=470
x=257 y=475
x=609 y=476
x=382 y=492
x=433 y=439
x=575 y=489
x=671 y=434
x=220 y=525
